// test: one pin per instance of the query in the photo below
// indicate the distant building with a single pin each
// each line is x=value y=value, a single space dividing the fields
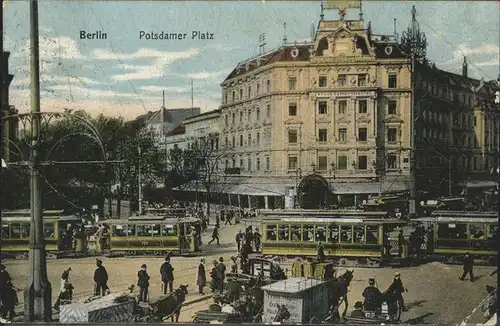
x=10 y=127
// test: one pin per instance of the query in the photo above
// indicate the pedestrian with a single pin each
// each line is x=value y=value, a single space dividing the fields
x=201 y=279
x=468 y=267
x=257 y=239
x=214 y=275
x=239 y=239
x=8 y=294
x=100 y=279
x=65 y=291
x=221 y=269
x=321 y=252
x=397 y=289
x=234 y=266
x=167 y=276
x=215 y=236
x=401 y=241
x=143 y=283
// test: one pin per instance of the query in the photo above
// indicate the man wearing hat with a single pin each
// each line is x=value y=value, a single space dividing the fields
x=100 y=279
x=372 y=296
x=397 y=290
x=214 y=274
x=468 y=267
x=358 y=310
x=167 y=275
x=221 y=271
x=143 y=283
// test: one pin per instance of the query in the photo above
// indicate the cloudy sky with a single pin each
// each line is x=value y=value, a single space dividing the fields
x=124 y=75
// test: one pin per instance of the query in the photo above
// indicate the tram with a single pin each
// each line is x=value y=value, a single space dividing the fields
x=152 y=235
x=345 y=240
x=338 y=213
x=451 y=236
x=167 y=212
x=63 y=234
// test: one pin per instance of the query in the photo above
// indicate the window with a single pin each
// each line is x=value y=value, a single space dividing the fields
x=119 y=230
x=225 y=98
x=361 y=80
x=362 y=162
x=48 y=230
x=19 y=231
x=169 y=230
x=292 y=162
x=233 y=142
x=476 y=232
x=268 y=163
x=359 y=234
x=271 y=232
x=242 y=166
x=452 y=231
x=322 y=163
x=392 y=135
x=233 y=161
x=292 y=109
x=333 y=233
x=392 y=162
x=342 y=80
x=257 y=138
x=492 y=232
x=292 y=136
x=226 y=119
x=249 y=115
x=342 y=106
x=392 y=108
x=249 y=91
x=342 y=162
x=292 y=83
x=241 y=94
x=320 y=233
x=131 y=230
x=322 y=135
x=284 y=233
x=156 y=230
x=258 y=89
x=249 y=140
x=257 y=114
x=362 y=134
x=363 y=106
x=322 y=81
x=296 y=232
x=143 y=230
x=241 y=140
x=475 y=121
x=234 y=118
x=257 y=162
x=392 y=80
x=346 y=234
x=342 y=134
x=268 y=110
x=371 y=234
x=268 y=85
x=308 y=233
x=241 y=116
x=322 y=107
x=249 y=161
x=234 y=96
x=226 y=142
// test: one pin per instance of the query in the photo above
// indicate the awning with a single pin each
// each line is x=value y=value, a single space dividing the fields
x=244 y=186
x=367 y=187
x=481 y=184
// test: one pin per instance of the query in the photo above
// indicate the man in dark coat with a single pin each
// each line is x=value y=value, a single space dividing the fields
x=358 y=310
x=100 y=279
x=468 y=267
x=8 y=294
x=221 y=270
x=401 y=242
x=239 y=239
x=143 y=283
x=397 y=289
x=215 y=236
x=214 y=274
x=372 y=296
x=257 y=239
x=321 y=252
x=167 y=276
x=201 y=279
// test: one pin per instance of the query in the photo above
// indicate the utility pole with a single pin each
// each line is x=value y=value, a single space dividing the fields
x=139 y=179
x=449 y=177
x=413 y=165
x=38 y=292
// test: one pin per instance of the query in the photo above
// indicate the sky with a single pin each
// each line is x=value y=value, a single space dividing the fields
x=125 y=75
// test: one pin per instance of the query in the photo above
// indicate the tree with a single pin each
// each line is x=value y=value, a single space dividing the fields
x=206 y=159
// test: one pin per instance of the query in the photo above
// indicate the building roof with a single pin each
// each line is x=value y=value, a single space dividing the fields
x=203 y=114
x=179 y=130
x=174 y=115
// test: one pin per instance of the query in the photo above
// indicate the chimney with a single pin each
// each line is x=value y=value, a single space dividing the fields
x=464 y=68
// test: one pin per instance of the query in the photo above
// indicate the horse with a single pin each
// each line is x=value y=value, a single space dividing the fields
x=340 y=287
x=282 y=315
x=170 y=306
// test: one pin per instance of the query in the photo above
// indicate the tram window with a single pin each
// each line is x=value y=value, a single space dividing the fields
x=15 y=231
x=119 y=231
x=131 y=230
x=143 y=230
x=284 y=233
x=346 y=234
x=476 y=231
x=156 y=230
x=296 y=233
x=452 y=231
x=320 y=234
x=359 y=234
x=308 y=234
x=5 y=231
x=371 y=234
x=271 y=232
x=169 y=230
x=492 y=232
x=333 y=233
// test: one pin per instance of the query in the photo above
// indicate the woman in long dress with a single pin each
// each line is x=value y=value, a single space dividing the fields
x=66 y=290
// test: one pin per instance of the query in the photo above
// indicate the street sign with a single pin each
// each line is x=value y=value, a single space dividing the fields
x=340 y=4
